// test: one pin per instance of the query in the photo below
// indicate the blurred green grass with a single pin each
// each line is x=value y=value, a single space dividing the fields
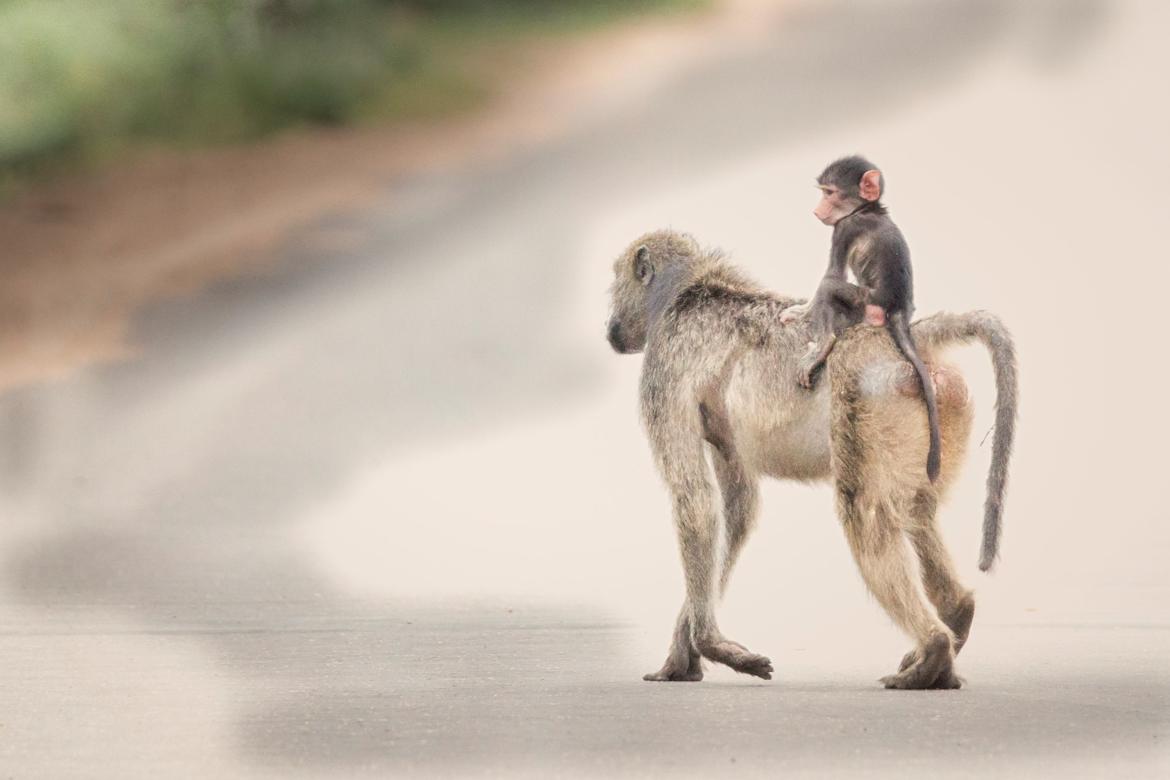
x=84 y=80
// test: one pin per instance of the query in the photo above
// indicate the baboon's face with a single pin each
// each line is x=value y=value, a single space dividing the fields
x=641 y=270
x=627 y=321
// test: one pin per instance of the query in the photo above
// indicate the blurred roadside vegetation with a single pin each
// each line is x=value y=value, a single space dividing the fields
x=82 y=80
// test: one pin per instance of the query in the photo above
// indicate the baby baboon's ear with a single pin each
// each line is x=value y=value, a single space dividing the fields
x=870 y=186
x=643 y=268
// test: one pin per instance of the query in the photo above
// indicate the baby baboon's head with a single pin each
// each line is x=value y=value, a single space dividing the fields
x=638 y=272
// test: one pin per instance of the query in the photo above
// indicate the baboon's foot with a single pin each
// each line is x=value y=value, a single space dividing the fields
x=950 y=681
x=959 y=620
x=932 y=666
x=736 y=656
x=685 y=669
x=807 y=374
x=808 y=367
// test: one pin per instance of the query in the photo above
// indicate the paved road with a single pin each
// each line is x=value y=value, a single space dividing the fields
x=389 y=509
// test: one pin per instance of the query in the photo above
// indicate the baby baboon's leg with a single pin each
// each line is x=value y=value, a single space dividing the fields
x=740 y=500
x=695 y=518
x=683 y=662
x=880 y=551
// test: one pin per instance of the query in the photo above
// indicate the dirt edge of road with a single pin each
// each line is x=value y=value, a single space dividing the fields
x=85 y=252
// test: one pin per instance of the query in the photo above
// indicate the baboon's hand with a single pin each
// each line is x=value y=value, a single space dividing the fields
x=738 y=657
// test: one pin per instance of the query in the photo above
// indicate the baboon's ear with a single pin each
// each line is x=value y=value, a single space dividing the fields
x=871 y=185
x=643 y=268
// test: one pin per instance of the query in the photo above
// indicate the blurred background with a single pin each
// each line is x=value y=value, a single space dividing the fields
x=314 y=459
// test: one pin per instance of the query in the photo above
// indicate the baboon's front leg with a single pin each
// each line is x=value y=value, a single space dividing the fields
x=695 y=518
x=683 y=662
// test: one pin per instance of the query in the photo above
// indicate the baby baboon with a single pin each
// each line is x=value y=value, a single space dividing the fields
x=718 y=380
x=868 y=243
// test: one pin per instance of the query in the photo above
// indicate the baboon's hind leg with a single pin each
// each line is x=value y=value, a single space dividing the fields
x=955 y=603
x=882 y=556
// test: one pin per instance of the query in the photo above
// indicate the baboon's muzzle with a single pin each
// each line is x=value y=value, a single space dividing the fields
x=613 y=334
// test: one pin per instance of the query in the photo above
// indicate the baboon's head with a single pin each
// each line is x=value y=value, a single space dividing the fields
x=638 y=272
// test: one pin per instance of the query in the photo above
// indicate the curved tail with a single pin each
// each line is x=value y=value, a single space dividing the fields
x=900 y=330
x=943 y=329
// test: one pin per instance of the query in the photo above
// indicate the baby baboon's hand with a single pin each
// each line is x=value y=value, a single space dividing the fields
x=793 y=313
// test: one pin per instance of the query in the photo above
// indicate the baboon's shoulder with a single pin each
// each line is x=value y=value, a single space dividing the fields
x=721 y=297
x=715 y=305
x=710 y=295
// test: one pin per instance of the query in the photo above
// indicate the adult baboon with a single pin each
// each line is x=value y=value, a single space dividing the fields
x=719 y=380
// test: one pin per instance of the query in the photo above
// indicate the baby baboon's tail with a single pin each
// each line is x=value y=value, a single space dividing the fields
x=943 y=329
x=900 y=330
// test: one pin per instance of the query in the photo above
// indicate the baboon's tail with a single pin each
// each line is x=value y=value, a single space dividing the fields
x=943 y=329
x=900 y=329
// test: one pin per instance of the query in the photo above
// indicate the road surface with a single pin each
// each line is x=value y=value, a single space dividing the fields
x=389 y=510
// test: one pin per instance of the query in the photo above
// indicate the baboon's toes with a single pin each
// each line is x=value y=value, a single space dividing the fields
x=900 y=682
x=908 y=660
x=670 y=673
